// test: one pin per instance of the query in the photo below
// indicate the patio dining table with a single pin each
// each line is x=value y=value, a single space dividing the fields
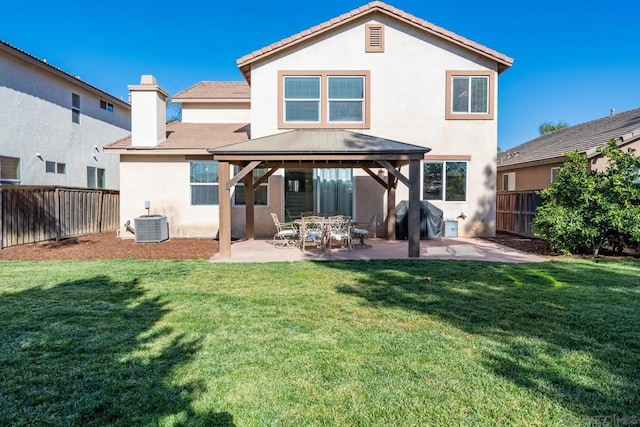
x=321 y=230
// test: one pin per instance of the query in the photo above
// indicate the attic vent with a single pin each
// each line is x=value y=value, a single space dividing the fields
x=151 y=228
x=374 y=39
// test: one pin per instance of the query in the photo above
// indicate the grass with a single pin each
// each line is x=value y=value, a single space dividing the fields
x=182 y=343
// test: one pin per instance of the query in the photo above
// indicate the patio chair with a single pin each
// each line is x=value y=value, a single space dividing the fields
x=286 y=233
x=339 y=229
x=312 y=230
x=362 y=230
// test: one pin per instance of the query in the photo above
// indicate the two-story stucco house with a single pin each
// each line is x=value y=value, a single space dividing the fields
x=54 y=125
x=354 y=115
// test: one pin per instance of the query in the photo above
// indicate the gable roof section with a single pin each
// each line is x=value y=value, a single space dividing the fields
x=215 y=92
x=185 y=137
x=244 y=63
x=19 y=53
x=584 y=137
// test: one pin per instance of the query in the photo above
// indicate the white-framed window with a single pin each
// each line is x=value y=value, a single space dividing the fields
x=469 y=95
x=260 y=194
x=107 y=106
x=323 y=99
x=96 y=177
x=55 y=167
x=446 y=181
x=302 y=99
x=509 y=181
x=637 y=180
x=346 y=99
x=554 y=174
x=203 y=180
x=75 y=107
x=9 y=170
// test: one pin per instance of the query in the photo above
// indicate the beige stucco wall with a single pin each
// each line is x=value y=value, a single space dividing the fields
x=408 y=83
x=530 y=178
x=164 y=182
x=600 y=163
x=216 y=112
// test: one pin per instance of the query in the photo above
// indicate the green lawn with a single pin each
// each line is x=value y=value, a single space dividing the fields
x=376 y=343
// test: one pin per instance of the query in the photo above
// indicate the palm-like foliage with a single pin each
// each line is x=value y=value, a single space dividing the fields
x=548 y=127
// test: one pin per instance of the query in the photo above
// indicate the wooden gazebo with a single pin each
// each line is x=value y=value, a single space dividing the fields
x=321 y=148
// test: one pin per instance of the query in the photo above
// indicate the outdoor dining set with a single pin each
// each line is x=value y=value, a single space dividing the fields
x=322 y=232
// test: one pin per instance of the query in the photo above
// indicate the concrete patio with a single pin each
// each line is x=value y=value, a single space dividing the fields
x=458 y=248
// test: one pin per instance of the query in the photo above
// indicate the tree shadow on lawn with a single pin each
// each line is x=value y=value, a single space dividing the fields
x=569 y=332
x=87 y=353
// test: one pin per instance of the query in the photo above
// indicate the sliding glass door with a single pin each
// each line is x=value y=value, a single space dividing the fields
x=326 y=191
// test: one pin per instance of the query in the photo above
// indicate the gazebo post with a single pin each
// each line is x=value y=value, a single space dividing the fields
x=391 y=206
x=249 y=206
x=224 y=208
x=414 y=209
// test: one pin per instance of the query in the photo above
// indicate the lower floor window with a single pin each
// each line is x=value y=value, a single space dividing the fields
x=445 y=181
x=96 y=177
x=260 y=194
x=9 y=169
x=203 y=179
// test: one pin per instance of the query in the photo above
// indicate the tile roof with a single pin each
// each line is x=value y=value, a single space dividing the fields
x=185 y=136
x=376 y=6
x=582 y=137
x=70 y=77
x=216 y=90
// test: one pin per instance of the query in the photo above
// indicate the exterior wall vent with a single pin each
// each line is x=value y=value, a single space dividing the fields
x=374 y=39
x=151 y=229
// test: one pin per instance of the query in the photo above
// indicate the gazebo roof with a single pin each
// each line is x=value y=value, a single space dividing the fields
x=320 y=146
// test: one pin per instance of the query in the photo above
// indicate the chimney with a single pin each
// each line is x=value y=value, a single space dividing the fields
x=613 y=112
x=148 y=113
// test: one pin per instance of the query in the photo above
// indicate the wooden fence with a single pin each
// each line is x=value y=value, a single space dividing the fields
x=515 y=211
x=30 y=214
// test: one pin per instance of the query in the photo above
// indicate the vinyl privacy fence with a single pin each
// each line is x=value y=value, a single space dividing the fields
x=30 y=214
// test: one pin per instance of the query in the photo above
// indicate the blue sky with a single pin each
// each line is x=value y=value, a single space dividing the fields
x=573 y=61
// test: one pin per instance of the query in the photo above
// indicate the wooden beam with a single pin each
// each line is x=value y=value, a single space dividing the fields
x=266 y=176
x=244 y=172
x=395 y=172
x=414 y=209
x=375 y=177
x=224 y=208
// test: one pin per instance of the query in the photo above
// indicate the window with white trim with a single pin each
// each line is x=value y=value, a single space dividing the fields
x=509 y=181
x=302 y=99
x=346 y=99
x=75 y=108
x=96 y=177
x=54 y=167
x=203 y=180
x=260 y=194
x=446 y=181
x=554 y=174
x=9 y=170
x=469 y=95
x=323 y=99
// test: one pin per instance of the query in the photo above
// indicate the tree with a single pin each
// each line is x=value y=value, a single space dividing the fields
x=548 y=127
x=584 y=209
x=174 y=111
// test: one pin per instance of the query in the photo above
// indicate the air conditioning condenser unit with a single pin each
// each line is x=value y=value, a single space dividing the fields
x=151 y=229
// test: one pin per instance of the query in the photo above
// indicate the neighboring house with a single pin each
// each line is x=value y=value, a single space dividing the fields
x=53 y=125
x=340 y=117
x=535 y=164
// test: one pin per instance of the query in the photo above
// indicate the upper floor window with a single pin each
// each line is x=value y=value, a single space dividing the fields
x=323 y=99
x=203 y=179
x=9 y=170
x=53 y=167
x=444 y=181
x=469 y=95
x=75 y=108
x=107 y=106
